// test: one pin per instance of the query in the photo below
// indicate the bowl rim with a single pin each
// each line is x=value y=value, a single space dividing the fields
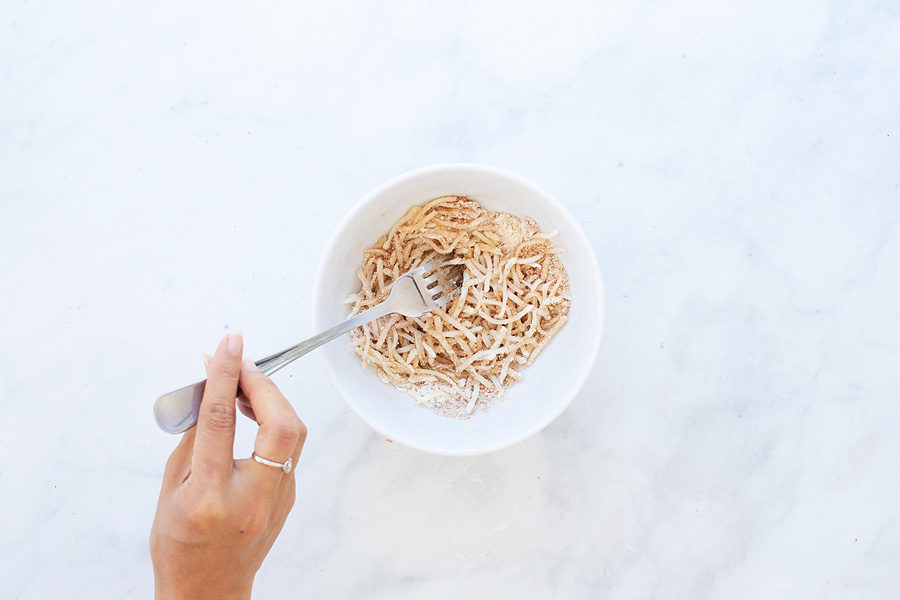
x=495 y=172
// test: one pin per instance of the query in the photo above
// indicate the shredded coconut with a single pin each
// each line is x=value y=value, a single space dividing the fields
x=515 y=297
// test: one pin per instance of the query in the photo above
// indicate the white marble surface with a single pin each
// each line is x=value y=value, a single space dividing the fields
x=168 y=168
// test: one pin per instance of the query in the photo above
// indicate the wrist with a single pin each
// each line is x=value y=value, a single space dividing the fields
x=199 y=590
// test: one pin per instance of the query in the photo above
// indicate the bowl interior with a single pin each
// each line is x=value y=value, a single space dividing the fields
x=547 y=386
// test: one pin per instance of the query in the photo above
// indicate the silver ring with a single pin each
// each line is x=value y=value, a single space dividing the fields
x=285 y=466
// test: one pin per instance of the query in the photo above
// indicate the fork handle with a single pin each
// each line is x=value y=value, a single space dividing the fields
x=270 y=364
x=178 y=411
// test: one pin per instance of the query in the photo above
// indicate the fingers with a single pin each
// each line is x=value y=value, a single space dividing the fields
x=245 y=408
x=242 y=403
x=281 y=432
x=179 y=464
x=214 y=444
x=285 y=493
x=288 y=486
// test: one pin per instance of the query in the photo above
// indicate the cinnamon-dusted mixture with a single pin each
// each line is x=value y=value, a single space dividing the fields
x=515 y=298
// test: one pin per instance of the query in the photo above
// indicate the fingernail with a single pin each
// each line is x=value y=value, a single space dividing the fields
x=249 y=365
x=235 y=343
x=206 y=358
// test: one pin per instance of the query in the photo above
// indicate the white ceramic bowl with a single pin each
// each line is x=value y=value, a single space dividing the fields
x=547 y=386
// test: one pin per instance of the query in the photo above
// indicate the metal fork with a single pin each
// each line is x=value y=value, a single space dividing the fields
x=413 y=294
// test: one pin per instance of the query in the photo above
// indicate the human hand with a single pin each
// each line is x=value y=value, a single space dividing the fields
x=217 y=517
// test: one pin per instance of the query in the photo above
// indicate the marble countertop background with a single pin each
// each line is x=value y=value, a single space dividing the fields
x=168 y=169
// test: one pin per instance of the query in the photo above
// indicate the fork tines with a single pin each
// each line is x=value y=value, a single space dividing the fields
x=443 y=279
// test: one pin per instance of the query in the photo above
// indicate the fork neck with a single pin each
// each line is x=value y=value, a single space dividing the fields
x=370 y=314
x=273 y=363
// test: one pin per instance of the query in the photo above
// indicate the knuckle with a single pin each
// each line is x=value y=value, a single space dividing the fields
x=286 y=431
x=302 y=431
x=208 y=512
x=224 y=372
x=220 y=417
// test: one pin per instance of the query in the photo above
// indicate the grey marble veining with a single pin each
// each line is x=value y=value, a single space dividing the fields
x=168 y=169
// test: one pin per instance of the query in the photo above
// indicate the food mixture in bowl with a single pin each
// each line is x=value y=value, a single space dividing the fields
x=515 y=297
